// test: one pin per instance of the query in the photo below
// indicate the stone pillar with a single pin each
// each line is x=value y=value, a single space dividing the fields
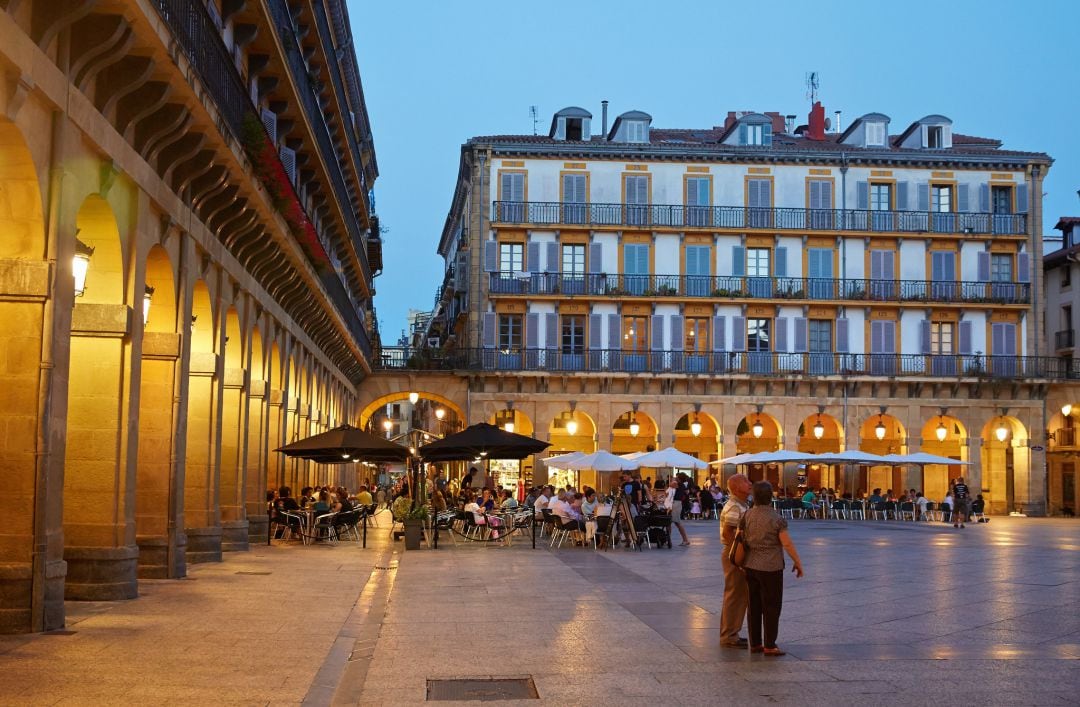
x=255 y=461
x=234 y=522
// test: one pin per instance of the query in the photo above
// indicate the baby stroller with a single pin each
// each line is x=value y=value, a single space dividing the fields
x=657 y=528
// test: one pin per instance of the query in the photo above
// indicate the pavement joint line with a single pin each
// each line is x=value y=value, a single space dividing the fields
x=349 y=676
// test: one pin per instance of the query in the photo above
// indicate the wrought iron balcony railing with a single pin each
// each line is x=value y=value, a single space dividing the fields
x=752 y=363
x=730 y=286
x=743 y=217
x=1065 y=339
x=1063 y=437
x=201 y=43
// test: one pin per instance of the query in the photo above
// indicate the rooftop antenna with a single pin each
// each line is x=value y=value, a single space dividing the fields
x=534 y=113
x=812 y=86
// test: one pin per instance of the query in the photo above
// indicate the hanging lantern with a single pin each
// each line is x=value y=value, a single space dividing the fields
x=1002 y=432
x=80 y=264
x=879 y=428
x=1066 y=409
x=413 y=398
x=634 y=428
x=758 y=429
x=942 y=432
x=571 y=426
x=440 y=413
x=819 y=429
x=695 y=427
x=148 y=295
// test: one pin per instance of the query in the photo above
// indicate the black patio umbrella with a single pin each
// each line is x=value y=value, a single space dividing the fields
x=482 y=440
x=343 y=445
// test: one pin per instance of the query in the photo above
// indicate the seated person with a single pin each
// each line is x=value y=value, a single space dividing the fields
x=306 y=497
x=471 y=506
x=875 y=497
x=921 y=502
x=487 y=500
x=978 y=506
x=810 y=500
x=541 y=502
x=566 y=514
x=322 y=505
x=947 y=507
x=364 y=497
x=508 y=500
x=285 y=501
x=589 y=504
x=342 y=504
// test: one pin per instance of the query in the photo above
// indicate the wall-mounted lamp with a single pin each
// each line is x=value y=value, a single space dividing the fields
x=1066 y=409
x=148 y=294
x=758 y=428
x=413 y=398
x=440 y=413
x=941 y=432
x=635 y=428
x=80 y=264
x=695 y=426
x=819 y=429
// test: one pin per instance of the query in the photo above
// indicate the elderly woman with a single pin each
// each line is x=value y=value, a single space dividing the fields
x=766 y=537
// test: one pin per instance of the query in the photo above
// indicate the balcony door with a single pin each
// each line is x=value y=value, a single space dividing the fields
x=820 y=345
x=698 y=201
x=759 y=202
x=636 y=267
x=882 y=275
x=1003 y=362
x=513 y=197
x=698 y=271
x=821 y=204
x=819 y=273
x=943 y=276
x=574 y=198
x=573 y=268
x=883 y=348
x=758 y=345
x=759 y=272
x=881 y=216
x=637 y=199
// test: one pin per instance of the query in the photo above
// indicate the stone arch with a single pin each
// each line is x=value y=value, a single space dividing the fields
x=623 y=441
x=893 y=441
x=770 y=440
x=705 y=445
x=99 y=528
x=934 y=479
x=831 y=440
x=453 y=411
x=583 y=439
x=1006 y=465
x=157 y=513
x=22 y=251
x=202 y=517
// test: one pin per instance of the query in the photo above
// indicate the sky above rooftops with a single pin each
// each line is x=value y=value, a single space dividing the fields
x=437 y=73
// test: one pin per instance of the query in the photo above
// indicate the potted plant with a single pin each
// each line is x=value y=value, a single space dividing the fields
x=412 y=517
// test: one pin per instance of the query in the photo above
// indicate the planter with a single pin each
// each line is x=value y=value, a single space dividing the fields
x=413 y=529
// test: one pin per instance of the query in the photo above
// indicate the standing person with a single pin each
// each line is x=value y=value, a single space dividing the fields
x=674 y=503
x=962 y=499
x=466 y=482
x=766 y=534
x=733 y=613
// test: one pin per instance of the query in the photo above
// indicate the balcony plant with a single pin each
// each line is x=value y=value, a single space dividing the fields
x=412 y=517
x=667 y=291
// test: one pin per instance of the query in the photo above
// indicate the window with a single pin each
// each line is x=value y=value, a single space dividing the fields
x=757 y=262
x=510 y=333
x=820 y=346
x=637 y=199
x=636 y=267
x=512 y=187
x=697 y=335
x=635 y=334
x=881 y=197
x=574 y=198
x=1001 y=199
x=941 y=198
x=757 y=334
x=875 y=133
x=697 y=201
x=511 y=257
x=942 y=338
x=698 y=282
x=935 y=136
x=636 y=131
x=759 y=199
x=573 y=334
x=1066 y=275
x=573 y=260
x=1001 y=267
x=754 y=135
x=573 y=128
x=1066 y=317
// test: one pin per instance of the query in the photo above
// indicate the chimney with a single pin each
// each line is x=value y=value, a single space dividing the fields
x=603 y=118
x=836 y=123
x=816 y=129
x=789 y=124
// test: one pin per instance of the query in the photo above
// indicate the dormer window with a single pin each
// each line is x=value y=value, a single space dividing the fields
x=934 y=132
x=935 y=136
x=875 y=134
x=573 y=128
x=637 y=131
x=750 y=129
x=571 y=123
x=631 y=126
x=754 y=134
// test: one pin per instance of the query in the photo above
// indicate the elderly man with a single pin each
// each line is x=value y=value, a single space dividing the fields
x=733 y=613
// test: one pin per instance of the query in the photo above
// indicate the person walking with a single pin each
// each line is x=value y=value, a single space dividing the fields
x=673 y=503
x=733 y=612
x=962 y=499
x=766 y=537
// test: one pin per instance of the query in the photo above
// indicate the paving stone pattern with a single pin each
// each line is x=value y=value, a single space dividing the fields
x=889 y=613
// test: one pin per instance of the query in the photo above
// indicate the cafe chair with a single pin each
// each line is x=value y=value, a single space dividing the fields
x=907 y=510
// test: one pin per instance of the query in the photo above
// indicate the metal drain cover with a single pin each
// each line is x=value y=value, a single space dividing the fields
x=482 y=689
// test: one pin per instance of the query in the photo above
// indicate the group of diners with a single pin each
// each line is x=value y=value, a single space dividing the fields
x=957 y=506
x=319 y=512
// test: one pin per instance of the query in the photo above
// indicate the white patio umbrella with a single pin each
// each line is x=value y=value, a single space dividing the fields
x=601 y=461
x=557 y=462
x=745 y=458
x=634 y=455
x=851 y=456
x=670 y=458
x=921 y=459
x=782 y=456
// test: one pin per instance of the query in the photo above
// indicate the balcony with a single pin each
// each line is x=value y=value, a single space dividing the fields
x=1065 y=339
x=743 y=218
x=1063 y=437
x=732 y=287
x=752 y=363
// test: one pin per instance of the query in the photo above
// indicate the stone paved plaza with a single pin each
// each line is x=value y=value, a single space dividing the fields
x=889 y=613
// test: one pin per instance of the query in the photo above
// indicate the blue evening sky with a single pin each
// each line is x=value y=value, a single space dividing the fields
x=438 y=72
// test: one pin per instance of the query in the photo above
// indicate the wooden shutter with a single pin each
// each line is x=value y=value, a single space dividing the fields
x=532 y=257
x=821 y=194
x=719 y=338
x=1023 y=267
x=596 y=258
x=656 y=334
x=738 y=333
x=513 y=186
x=983 y=267
x=560 y=128
x=551 y=330
x=532 y=330
x=742 y=134
x=552 y=264
x=288 y=161
x=677 y=333
x=924 y=336
x=491 y=256
x=780 y=262
x=902 y=203
x=862 y=195
x=924 y=196
x=984 y=198
x=269 y=121
x=964 y=343
x=766 y=134
x=738 y=261
x=780 y=335
x=1021 y=198
x=596 y=332
x=801 y=343
x=614 y=332
x=962 y=201
x=1003 y=339
x=490 y=329
x=842 y=335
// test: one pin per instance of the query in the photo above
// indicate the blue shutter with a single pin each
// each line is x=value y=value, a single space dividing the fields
x=924 y=197
x=984 y=198
x=551 y=330
x=964 y=344
x=614 y=332
x=801 y=345
x=738 y=261
x=962 y=202
x=656 y=335
x=780 y=335
x=842 y=335
x=862 y=195
x=490 y=329
x=532 y=330
x=983 y=267
x=902 y=197
x=780 y=263
x=766 y=134
x=719 y=338
x=889 y=337
x=552 y=257
x=1021 y=198
x=738 y=333
x=596 y=258
x=677 y=335
x=596 y=332
x=742 y=134
x=491 y=256
x=924 y=336
x=1023 y=267
x=877 y=337
x=532 y=257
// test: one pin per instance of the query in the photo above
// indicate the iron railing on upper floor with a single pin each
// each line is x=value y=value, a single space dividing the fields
x=1065 y=339
x=731 y=286
x=745 y=217
x=768 y=364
